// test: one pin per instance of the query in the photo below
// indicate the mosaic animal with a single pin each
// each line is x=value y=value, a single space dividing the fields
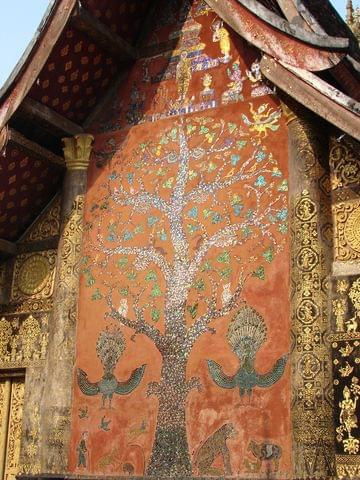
x=214 y=446
x=104 y=424
x=109 y=347
x=263 y=119
x=108 y=460
x=265 y=452
x=128 y=468
x=246 y=333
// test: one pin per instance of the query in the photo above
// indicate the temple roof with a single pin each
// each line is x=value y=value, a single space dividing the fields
x=82 y=51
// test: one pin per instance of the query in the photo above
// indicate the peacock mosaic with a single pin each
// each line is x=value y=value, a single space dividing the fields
x=183 y=331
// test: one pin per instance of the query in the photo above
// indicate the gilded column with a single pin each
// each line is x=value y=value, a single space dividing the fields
x=345 y=336
x=313 y=449
x=56 y=403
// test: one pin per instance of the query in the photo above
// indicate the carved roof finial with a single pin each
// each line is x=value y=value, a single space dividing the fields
x=349 y=12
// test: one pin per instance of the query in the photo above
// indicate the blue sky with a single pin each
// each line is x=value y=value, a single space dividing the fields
x=20 y=18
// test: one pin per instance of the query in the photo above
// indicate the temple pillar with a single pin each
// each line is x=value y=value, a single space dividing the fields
x=344 y=162
x=56 y=402
x=312 y=422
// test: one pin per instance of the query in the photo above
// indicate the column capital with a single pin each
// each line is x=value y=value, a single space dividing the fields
x=289 y=113
x=77 y=151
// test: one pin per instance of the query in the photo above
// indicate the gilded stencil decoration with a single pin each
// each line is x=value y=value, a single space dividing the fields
x=30 y=462
x=48 y=225
x=23 y=340
x=14 y=429
x=344 y=164
x=310 y=407
x=65 y=314
x=346 y=359
x=34 y=275
x=348 y=466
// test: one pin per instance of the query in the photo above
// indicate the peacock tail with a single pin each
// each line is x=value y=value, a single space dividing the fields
x=109 y=347
x=246 y=332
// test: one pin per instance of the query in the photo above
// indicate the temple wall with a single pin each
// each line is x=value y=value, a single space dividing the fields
x=25 y=315
x=183 y=331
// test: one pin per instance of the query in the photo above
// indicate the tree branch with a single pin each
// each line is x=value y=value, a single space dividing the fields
x=141 y=198
x=200 y=326
x=223 y=238
x=139 y=325
x=145 y=254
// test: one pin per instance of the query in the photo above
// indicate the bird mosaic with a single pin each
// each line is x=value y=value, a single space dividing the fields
x=246 y=333
x=110 y=346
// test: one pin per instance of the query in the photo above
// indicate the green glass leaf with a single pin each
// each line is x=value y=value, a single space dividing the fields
x=168 y=183
x=232 y=127
x=224 y=257
x=241 y=143
x=268 y=255
x=131 y=275
x=226 y=272
x=155 y=314
x=164 y=140
x=200 y=285
x=259 y=273
x=207 y=213
x=173 y=134
x=156 y=291
x=122 y=262
x=138 y=229
x=96 y=295
x=124 y=291
x=207 y=267
x=151 y=276
x=90 y=281
x=192 y=309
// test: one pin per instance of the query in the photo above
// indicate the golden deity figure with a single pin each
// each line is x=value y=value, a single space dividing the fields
x=221 y=35
x=207 y=81
x=348 y=418
x=183 y=76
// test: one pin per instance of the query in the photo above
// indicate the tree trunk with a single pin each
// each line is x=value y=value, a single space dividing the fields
x=170 y=455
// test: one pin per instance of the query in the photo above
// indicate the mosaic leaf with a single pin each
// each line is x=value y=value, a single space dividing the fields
x=200 y=285
x=192 y=309
x=155 y=314
x=156 y=291
x=96 y=295
x=122 y=262
x=224 y=257
x=259 y=273
x=268 y=255
x=151 y=276
x=124 y=291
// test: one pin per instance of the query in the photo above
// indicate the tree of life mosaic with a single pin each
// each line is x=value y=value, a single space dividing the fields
x=183 y=222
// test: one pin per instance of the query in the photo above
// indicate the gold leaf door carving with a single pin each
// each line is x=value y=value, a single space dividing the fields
x=11 y=411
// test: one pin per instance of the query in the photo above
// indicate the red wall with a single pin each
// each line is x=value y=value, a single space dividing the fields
x=179 y=169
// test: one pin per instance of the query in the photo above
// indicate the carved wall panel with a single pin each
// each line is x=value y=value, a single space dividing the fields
x=11 y=414
x=14 y=429
x=33 y=276
x=345 y=181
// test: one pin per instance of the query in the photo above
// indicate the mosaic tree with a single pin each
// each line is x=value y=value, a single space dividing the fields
x=182 y=223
